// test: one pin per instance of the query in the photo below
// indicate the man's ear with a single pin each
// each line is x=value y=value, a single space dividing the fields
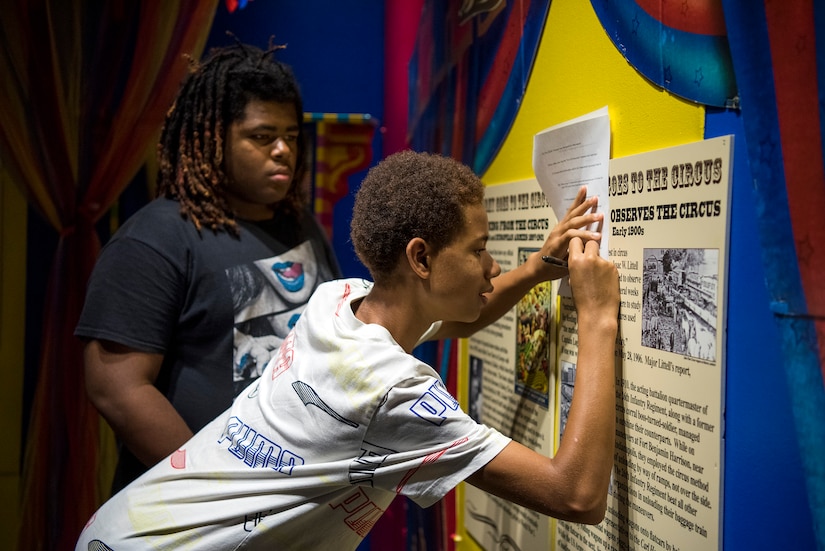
x=418 y=257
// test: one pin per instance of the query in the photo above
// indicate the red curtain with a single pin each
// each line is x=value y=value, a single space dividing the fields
x=85 y=86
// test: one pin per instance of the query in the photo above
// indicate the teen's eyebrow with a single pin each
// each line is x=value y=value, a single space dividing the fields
x=274 y=128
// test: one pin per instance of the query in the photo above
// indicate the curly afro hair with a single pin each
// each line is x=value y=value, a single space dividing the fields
x=410 y=195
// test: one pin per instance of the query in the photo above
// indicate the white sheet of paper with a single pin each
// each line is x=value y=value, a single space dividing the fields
x=572 y=154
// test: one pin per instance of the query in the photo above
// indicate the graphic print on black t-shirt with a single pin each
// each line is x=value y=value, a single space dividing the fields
x=268 y=297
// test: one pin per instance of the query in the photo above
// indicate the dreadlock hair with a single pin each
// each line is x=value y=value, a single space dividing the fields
x=213 y=95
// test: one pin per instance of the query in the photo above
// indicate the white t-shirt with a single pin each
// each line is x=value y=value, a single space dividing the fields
x=310 y=455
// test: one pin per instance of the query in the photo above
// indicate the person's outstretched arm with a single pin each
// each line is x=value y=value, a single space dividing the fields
x=511 y=286
x=120 y=384
x=572 y=485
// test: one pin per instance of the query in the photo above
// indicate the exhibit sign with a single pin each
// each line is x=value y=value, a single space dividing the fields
x=668 y=228
x=669 y=235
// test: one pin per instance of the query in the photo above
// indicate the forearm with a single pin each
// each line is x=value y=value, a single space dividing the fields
x=147 y=424
x=572 y=485
x=120 y=384
x=588 y=444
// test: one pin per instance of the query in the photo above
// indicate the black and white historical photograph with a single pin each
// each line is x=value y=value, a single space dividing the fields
x=476 y=372
x=568 y=382
x=679 y=303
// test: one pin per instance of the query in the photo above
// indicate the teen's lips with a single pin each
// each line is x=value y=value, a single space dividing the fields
x=280 y=176
x=484 y=297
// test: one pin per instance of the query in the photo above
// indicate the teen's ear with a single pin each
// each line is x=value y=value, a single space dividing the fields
x=418 y=257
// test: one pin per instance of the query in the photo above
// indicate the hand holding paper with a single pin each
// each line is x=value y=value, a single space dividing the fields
x=580 y=216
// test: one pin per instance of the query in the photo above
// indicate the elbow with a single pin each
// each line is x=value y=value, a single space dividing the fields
x=586 y=506
x=594 y=513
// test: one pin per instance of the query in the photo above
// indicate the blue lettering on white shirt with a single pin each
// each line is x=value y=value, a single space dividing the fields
x=256 y=450
x=434 y=403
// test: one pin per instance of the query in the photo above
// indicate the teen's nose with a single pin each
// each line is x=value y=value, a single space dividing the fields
x=281 y=147
x=495 y=271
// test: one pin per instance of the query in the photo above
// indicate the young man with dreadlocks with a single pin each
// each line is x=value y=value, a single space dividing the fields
x=214 y=272
x=345 y=417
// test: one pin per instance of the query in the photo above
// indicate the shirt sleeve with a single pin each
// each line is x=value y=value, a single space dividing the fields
x=134 y=297
x=423 y=444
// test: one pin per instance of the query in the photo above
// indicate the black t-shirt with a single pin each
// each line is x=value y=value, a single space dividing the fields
x=215 y=305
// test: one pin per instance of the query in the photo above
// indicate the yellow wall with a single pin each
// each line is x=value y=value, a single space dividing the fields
x=12 y=325
x=578 y=70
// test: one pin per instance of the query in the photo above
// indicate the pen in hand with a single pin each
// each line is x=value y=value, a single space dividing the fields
x=555 y=261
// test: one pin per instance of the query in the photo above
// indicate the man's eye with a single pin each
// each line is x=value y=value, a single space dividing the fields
x=290 y=139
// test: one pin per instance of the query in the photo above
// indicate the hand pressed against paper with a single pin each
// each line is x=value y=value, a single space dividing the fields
x=593 y=280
